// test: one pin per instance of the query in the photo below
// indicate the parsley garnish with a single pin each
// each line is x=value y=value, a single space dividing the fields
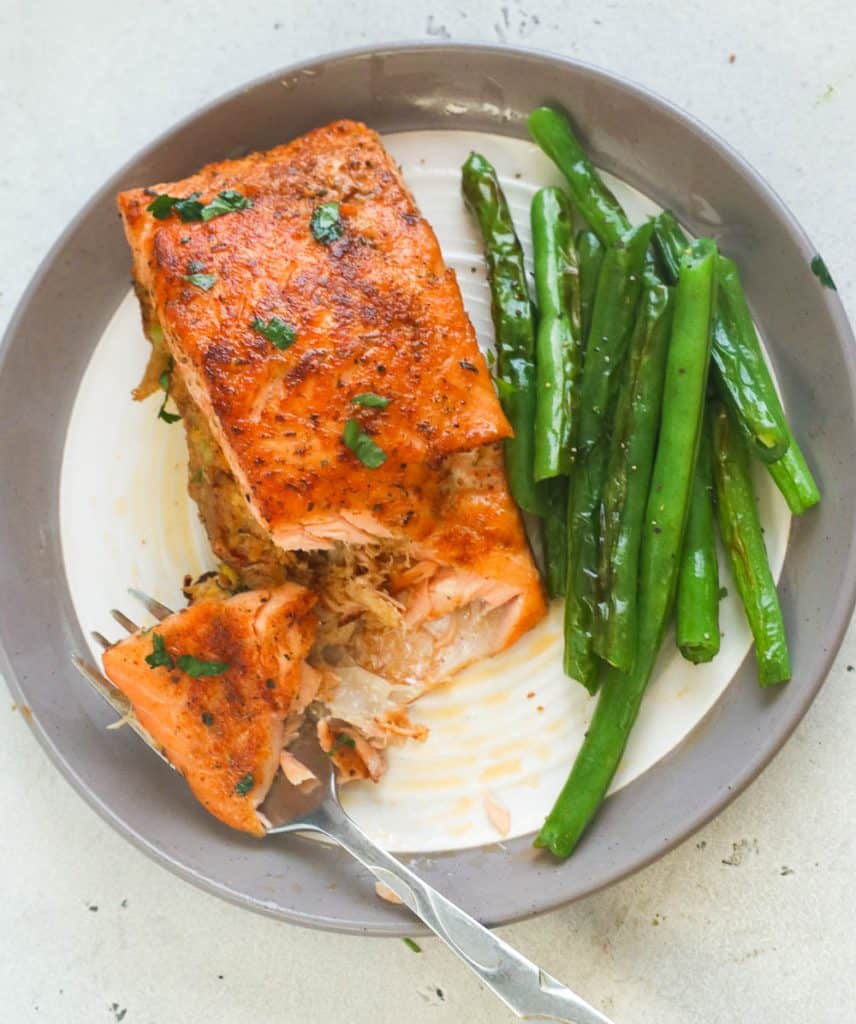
x=280 y=334
x=207 y=718
x=161 y=206
x=414 y=946
x=196 y=667
x=160 y=656
x=204 y=281
x=326 y=224
x=226 y=202
x=371 y=400
x=504 y=388
x=165 y=382
x=244 y=785
x=362 y=445
x=821 y=272
x=190 y=209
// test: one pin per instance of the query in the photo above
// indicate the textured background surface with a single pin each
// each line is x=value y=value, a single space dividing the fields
x=754 y=913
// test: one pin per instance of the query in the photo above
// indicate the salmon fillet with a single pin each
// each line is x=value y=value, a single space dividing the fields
x=372 y=311
x=222 y=729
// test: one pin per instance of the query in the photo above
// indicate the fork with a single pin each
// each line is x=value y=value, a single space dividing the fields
x=527 y=990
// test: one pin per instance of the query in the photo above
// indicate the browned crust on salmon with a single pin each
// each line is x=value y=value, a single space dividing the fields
x=377 y=310
x=222 y=732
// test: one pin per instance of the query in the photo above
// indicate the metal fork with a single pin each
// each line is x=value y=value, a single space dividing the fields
x=526 y=990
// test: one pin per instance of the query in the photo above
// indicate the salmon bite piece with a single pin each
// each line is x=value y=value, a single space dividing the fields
x=214 y=684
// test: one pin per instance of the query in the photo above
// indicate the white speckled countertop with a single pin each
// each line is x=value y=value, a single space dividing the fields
x=753 y=918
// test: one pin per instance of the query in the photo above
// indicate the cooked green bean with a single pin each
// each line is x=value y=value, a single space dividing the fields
x=511 y=309
x=590 y=256
x=743 y=377
x=618 y=290
x=744 y=542
x=558 y=345
x=625 y=493
x=554 y=535
x=662 y=540
x=697 y=606
x=552 y=131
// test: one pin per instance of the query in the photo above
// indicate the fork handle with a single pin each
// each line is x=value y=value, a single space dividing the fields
x=528 y=991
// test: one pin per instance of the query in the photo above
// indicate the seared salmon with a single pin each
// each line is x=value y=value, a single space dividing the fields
x=405 y=531
x=361 y=306
x=214 y=684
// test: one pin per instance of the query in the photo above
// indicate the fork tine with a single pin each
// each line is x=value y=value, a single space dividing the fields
x=124 y=621
x=160 y=611
x=101 y=640
x=117 y=701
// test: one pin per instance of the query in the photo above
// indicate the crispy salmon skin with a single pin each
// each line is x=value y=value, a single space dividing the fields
x=220 y=716
x=361 y=303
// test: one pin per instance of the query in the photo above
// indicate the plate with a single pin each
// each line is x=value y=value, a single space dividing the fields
x=79 y=520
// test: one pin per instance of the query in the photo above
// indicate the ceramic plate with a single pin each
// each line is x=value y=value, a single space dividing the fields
x=96 y=501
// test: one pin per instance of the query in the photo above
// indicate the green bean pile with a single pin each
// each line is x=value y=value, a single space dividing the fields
x=637 y=390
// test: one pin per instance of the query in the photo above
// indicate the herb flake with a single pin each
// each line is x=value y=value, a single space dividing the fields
x=370 y=400
x=280 y=334
x=165 y=383
x=196 y=667
x=207 y=718
x=204 y=281
x=190 y=209
x=821 y=272
x=245 y=784
x=226 y=202
x=326 y=224
x=414 y=947
x=362 y=445
x=160 y=656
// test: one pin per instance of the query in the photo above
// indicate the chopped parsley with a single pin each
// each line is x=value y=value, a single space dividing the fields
x=821 y=272
x=280 y=334
x=190 y=209
x=245 y=784
x=326 y=224
x=204 y=281
x=226 y=202
x=504 y=388
x=196 y=667
x=371 y=401
x=160 y=656
x=165 y=383
x=411 y=945
x=161 y=206
x=362 y=445
x=207 y=718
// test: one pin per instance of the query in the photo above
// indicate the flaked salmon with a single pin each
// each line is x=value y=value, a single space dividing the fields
x=280 y=328
x=214 y=685
x=394 y=509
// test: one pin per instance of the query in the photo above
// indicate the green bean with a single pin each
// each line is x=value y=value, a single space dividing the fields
x=662 y=540
x=670 y=243
x=794 y=479
x=741 y=366
x=511 y=310
x=590 y=256
x=697 y=606
x=552 y=131
x=742 y=376
x=554 y=535
x=628 y=476
x=744 y=542
x=618 y=290
x=558 y=351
